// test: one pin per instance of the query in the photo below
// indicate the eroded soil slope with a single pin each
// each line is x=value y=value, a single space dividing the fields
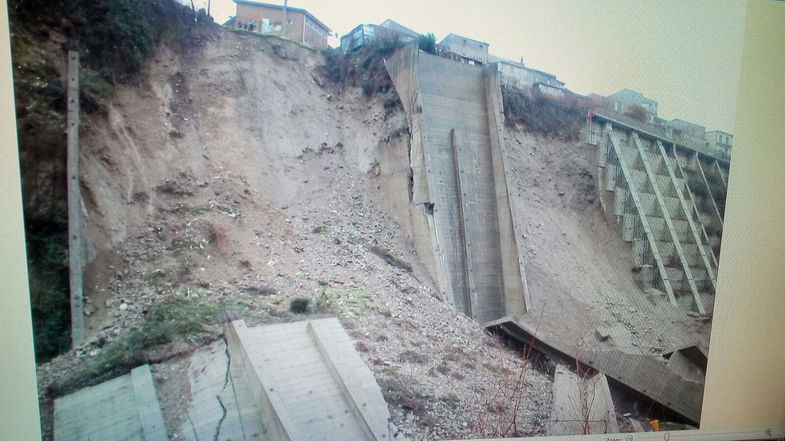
x=230 y=174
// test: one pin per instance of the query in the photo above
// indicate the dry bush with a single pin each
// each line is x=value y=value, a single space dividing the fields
x=540 y=114
x=637 y=112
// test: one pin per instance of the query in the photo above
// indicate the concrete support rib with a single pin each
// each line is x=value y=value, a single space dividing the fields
x=695 y=210
x=615 y=151
x=470 y=295
x=513 y=270
x=687 y=214
x=699 y=167
x=668 y=222
x=716 y=165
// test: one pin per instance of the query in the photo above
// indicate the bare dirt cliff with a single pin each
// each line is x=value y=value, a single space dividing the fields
x=235 y=175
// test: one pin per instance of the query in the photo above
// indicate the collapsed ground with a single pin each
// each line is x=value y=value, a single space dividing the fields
x=238 y=176
x=231 y=177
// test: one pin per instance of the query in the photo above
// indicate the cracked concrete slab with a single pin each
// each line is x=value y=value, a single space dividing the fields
x=221 y=408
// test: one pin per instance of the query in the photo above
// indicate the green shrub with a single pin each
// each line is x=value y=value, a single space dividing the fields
x=48 y=270
x=718 y=191
x=696 y=186
x=427 y=43
x=637 y=112
x=716 y=188
x=95 y=91
x=299 y=305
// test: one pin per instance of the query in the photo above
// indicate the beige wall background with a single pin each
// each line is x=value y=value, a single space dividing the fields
x=745 y=381
x=18 y=398
x=745 y=384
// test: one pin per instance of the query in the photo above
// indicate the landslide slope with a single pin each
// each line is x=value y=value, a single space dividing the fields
x=234 y=174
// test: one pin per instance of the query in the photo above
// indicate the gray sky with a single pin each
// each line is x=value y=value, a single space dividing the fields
x=684 y=54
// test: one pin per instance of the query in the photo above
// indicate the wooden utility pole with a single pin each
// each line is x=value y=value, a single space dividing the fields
x=74 y=203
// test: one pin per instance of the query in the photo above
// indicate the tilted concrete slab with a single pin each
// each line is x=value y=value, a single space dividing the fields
x=581 y=404
x=309 y=382
x=459 y=180
x=647 y=374
x=125 y=408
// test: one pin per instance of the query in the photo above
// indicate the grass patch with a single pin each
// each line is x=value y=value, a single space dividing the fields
x=341 y=300
x=320 y=229
x=193 y=321
x=452 y=399
x=403 y=395
x=410 y=356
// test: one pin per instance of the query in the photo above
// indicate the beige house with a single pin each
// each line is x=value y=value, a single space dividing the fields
x=471 y=51
x=721 y=142
x=293 y=23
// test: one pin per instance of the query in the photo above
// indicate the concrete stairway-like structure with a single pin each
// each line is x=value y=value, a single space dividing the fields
x=459 y=205
x=308 y=382
x=674 y=234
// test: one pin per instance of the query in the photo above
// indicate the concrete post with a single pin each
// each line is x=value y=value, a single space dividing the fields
x=74 y=203
x=470 y=293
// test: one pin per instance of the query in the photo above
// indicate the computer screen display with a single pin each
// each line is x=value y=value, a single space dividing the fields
x=356 y=220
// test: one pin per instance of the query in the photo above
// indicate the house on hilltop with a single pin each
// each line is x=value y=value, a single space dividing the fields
x=517 y=74
x=387 y=30
x=466 y=49
x=721 y=142
x=626 y=99
x=685 y=128
x=293 y=23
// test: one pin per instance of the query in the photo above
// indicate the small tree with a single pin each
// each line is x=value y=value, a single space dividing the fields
x=637 y=112
x=428 y=43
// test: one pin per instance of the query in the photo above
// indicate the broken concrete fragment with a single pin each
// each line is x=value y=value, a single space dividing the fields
x=581 y=404
x=602 y=333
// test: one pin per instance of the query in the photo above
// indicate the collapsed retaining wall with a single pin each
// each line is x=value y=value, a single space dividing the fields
x=458 y=210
